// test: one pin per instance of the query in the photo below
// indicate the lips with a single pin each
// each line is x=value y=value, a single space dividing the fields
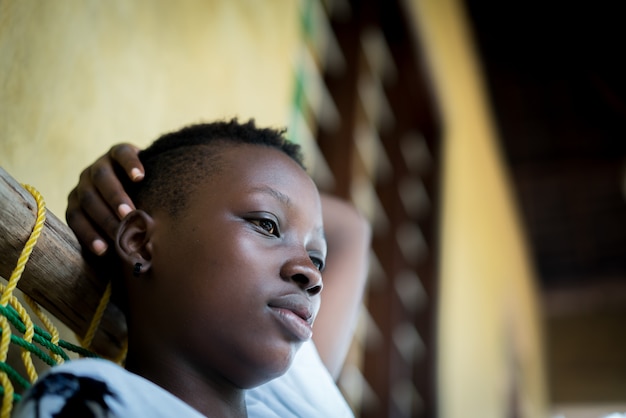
x=294 y=314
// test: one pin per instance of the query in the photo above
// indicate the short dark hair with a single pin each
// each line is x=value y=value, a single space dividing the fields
x=177 y=162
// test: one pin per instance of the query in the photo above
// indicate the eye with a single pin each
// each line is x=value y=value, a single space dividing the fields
x=318 y=263
x=267 y=225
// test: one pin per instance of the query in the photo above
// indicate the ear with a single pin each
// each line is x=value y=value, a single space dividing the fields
x=133 y=242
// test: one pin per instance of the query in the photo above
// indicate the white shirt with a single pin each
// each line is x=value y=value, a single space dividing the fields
x=307 y=390
x=94 y=387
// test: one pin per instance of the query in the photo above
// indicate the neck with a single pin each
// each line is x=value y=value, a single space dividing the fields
x=213 y=396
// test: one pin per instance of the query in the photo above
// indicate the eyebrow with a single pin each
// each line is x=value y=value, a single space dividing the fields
x=281 y=197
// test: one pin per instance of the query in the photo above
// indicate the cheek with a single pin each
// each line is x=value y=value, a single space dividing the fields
x=235 y=264
x=226 y=267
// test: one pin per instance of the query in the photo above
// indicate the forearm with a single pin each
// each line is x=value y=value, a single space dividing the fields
x=348 y=237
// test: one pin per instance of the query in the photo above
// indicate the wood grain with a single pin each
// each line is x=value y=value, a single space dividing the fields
x=57 y=275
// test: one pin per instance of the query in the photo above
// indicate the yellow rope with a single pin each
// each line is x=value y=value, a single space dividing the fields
x=28 y=247
x=47 y=323
x=28 y=324
x=28 y=336
x=95 y=323
x=8 y=297
x=7 y=399
x=97 y=318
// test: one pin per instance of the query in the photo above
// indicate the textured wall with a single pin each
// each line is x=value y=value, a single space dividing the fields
x=78 y=76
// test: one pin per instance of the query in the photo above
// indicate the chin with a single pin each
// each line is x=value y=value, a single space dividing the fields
x=271 y=369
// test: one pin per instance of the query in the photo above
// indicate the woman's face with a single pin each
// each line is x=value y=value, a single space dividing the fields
x=235 y=281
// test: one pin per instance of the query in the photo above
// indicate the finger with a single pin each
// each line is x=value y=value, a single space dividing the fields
x=103 y=180
x=126 y=156
x=87 y=235
x=99 y=214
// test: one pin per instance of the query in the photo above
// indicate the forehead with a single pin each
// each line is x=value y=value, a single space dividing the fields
x=240 y=160
x=256 y=168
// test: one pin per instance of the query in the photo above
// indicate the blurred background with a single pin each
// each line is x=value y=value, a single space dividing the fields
x=483 y=140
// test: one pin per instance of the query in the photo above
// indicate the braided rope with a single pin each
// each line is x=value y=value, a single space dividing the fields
x=95 y=323
x=28 y=247
x=54 y=333
x=7 y=293
x=42 y=338
x=13 y=313
x=7 y=297
x=97 y=317
x=29 y=333
x=7 y=398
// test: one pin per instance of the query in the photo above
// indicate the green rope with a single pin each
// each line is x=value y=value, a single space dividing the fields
x=14 y=375
x=19 y=341
x=83 y=352
x=43 y=338
x=15 y=317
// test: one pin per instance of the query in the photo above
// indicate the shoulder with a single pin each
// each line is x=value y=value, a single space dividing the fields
x=76 y=388
x=93 y=387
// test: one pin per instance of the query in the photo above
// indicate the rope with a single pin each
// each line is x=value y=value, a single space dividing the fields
x=54 y=333
x=41 y=337
x=13 y=313
x=7 y=398
x=97 y=317
x=7 y=296
x=28 y=247
x=95 y=323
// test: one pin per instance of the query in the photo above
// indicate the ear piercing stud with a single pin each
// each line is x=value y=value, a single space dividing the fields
x=137 y=270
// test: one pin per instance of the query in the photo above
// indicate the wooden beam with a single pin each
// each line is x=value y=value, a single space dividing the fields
x=56 y=275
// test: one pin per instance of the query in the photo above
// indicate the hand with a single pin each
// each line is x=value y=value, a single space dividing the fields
x=98 y=203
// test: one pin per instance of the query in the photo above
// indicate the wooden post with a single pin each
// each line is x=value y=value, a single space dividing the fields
x=56 y=275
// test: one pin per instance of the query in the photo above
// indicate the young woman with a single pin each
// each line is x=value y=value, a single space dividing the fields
x=222 y=247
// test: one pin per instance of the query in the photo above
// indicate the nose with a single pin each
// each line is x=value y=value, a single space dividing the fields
x=303 y=272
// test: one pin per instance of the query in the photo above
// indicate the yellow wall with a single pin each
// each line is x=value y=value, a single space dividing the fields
x=490 y=338
x=79 y=75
